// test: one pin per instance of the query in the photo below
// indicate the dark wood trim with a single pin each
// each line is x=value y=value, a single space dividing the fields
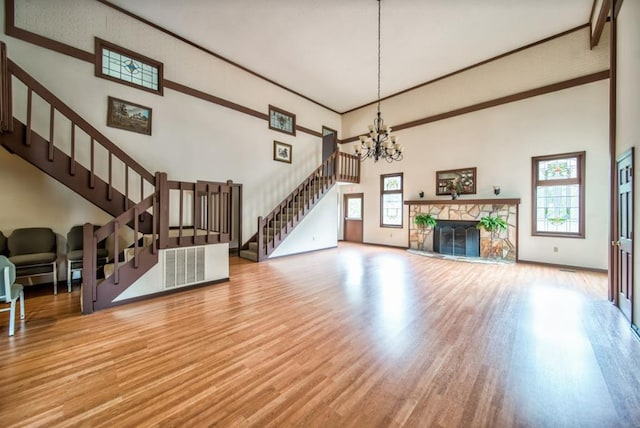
x=309 y=131
x=391 y=192
x=478 y=64
x=169 y=84
x=100 y=44
x=583 y=80
x=613 y=165
x=565 y=267
x=203 y=49
x=599 y=25
x=402 y=247
x=582 y=161
x=36 y=39
x=515 y=201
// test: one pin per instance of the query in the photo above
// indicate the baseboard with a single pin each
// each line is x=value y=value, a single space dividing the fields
x=301 y=253
x=167 y=292
x=402 y=247
x=570 y=267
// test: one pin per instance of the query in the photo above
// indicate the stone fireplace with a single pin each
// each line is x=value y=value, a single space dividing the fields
x=503 y=244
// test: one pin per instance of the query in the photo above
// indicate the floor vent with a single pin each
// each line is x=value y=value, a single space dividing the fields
x=183 y=266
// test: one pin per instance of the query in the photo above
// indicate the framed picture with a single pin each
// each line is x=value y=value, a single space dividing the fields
x=129 y=116
x=461 y=181
x=282 y=152
x=282 y=121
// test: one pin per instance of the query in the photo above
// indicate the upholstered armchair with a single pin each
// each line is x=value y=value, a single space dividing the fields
x=3 y=244
x=10 y=292
x=33 y=251
x=75 y=247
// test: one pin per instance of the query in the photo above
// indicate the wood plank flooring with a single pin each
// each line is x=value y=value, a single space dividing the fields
x=357 y=336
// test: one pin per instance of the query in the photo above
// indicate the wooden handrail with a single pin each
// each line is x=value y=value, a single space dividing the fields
x=275 y=226
x=93 y=238
x=77 y=120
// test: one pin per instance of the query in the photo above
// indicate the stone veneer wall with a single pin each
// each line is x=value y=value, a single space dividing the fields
x=503 y=244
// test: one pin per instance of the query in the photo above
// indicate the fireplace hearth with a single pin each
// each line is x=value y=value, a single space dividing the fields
x=457 y=238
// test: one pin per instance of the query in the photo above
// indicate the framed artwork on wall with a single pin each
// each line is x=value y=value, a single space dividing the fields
x=459 y=181
x=282 y=121
x=282 y=152
x=128 y=116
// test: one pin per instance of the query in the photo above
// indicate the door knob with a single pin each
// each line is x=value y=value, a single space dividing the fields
x=615 y=243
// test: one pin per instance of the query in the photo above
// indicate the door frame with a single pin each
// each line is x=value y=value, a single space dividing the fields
x=344 y=212
x=616 y=286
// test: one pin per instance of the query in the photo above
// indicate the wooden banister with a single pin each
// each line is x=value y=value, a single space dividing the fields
x=275 y=226
x=75 y=119
x=6 y=113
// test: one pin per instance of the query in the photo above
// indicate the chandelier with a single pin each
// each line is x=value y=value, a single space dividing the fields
x=379 y=143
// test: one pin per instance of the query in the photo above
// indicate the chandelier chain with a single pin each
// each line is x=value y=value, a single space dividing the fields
x=379 y=7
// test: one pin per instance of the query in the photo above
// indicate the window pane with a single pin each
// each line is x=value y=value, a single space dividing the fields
x=558 y=169
x=354 y=208
x=392 y=183
x=558 y=208
x=392 y=209
x=125 y=68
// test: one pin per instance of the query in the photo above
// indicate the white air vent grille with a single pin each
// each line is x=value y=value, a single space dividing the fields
x=183 y=266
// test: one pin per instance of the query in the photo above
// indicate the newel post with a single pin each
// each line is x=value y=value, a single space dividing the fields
x=260 y=239
x=162 y=189
x=88 y=288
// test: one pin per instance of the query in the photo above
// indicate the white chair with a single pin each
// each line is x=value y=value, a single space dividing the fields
x=10 y=292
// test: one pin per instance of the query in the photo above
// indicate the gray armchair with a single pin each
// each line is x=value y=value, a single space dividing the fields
x=10 y=292
x=3 y=245
x=75 y=246
x=33 y=251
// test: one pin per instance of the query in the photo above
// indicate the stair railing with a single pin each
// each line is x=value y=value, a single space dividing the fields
x=131 y=171
x=91 y=298
x=275 y=226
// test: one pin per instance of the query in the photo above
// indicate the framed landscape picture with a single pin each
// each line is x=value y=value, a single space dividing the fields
x=129 y=116
x=282 y=121
x=282 y=152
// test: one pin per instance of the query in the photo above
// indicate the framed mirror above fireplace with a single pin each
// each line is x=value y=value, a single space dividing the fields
x=463 y=180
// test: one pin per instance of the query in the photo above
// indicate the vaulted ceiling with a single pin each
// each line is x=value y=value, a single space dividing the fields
x=327 y=49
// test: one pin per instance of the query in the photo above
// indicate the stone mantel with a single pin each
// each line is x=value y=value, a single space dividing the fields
x=502 y=244
x=495 y=201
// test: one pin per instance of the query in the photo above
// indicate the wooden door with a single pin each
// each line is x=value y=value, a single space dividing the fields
x=624 y=244
x=353 y=205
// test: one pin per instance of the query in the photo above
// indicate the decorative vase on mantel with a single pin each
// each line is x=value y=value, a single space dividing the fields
x=454 y=194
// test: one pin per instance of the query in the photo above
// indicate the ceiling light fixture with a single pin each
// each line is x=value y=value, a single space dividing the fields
x=379 y=143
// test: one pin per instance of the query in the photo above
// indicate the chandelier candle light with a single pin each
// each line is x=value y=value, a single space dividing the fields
x=379 y=143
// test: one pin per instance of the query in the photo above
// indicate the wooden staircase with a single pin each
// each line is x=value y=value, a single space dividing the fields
x=283 y=219
x=139 y=200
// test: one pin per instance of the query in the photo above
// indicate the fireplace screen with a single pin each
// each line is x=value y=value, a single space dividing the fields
x=457 y=238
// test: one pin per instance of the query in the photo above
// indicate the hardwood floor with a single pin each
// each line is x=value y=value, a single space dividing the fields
x=356 y=336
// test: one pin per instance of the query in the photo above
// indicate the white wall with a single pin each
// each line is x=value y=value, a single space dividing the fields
x=216 y=268
x=192 y=139
x=500 y=142
x=628 y=104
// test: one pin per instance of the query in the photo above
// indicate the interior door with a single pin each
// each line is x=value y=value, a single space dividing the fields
x=353 y=204
x=624 y=243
